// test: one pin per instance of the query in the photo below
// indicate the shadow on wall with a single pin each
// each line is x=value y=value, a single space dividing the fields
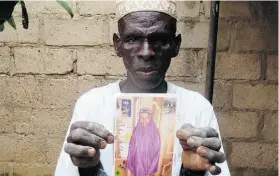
x=267 y=12
x=266 y=9
x=246 y=86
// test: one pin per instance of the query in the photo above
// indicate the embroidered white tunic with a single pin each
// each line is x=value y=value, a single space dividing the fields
x=99 y=105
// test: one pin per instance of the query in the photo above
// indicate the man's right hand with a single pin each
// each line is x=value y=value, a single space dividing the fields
x=85 y=141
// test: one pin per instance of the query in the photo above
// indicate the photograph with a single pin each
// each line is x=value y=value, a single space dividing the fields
x=144 y=132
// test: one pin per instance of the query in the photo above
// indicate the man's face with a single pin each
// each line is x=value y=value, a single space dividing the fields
x=147 y=42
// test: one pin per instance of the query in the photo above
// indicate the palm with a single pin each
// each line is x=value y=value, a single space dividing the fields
x=192 y=161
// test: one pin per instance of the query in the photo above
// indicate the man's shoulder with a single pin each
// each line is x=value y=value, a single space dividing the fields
x=190 y=96
x=192 y=105
x=97 y=94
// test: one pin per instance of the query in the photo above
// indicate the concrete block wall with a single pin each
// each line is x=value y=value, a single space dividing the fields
x=246 y=86
x=43 y=70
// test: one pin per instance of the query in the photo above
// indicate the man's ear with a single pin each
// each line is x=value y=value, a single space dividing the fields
x=116 y=43
x=177 y=43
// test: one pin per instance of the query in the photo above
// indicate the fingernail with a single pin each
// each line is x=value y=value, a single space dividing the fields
x=201 y=151
x=218 y=170
x=110 y=139
x=213 y=169
x=103 y=144
x=190 y=141
x=179 y=134
x=91 y=152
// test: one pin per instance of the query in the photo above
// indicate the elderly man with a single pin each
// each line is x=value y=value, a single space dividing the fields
x=147 y=42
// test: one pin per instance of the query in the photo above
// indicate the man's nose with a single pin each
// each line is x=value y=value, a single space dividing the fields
x=146 y=51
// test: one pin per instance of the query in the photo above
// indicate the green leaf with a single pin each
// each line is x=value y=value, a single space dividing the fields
x=2 y=22
x=25 y=19
x=11 y=21
x=66 y=6
x=2 y=27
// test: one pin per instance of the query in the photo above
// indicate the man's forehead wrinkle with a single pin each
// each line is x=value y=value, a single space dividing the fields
x=145 y=31
x=140 y=25
x=131 y=28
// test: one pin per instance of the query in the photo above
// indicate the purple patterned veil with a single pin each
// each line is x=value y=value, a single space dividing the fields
x=144 y=147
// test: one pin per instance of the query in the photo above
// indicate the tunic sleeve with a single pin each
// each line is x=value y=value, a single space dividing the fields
x=82 y=111
x=214 y=124
x=64 y=164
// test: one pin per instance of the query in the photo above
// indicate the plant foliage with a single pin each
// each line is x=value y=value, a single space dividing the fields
x=7 y=8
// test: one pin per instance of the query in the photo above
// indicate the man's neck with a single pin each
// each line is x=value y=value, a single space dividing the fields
x=128 y=86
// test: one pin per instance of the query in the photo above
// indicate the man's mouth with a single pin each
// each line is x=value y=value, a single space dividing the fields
x=147 y=73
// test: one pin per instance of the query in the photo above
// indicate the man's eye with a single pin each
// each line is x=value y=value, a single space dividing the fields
x=166 y=41
x=131 y=39
x=160 y=40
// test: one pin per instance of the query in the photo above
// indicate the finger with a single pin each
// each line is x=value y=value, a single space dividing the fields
x=213 y=169
x=184 y=134
x=212 y=155
x=210 y=132
x=184 y=145
x=85 y=162
x=202 y=132
x=95 y=128
x=205 y=132
x=212 y=143
x=79 y=150
x=82 y=137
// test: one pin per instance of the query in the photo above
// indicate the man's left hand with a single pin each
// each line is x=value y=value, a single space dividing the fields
x=201 y=148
